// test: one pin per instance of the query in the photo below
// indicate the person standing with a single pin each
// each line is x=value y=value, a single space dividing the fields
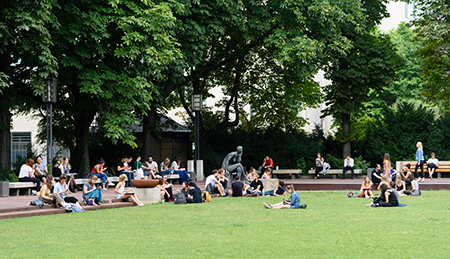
x=267 y=164
x=319 y=165
x=387 y=165
x=420 y=161
x=348 y=165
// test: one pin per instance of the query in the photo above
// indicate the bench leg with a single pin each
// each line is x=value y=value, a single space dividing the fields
x=334 y=176
x=292 y=176
x=439 y=175
x=275 y=176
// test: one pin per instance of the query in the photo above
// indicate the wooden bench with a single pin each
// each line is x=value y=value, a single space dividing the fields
x=291 y=172
x=444 y=167
x=336 y=172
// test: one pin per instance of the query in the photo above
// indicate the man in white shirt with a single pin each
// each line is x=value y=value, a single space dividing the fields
x=348 y=165
x=150 y=168
x=432 y=164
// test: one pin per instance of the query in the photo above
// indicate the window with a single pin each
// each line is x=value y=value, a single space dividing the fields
x=19 y=142
x=409 y=10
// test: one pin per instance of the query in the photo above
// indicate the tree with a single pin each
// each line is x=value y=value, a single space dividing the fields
x=370 y=66
x=109 y=54
x=25 y=57
x=270 y=47
x=433 y=34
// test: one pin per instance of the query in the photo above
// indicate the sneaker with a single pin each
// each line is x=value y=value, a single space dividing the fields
x=267 y=206
x=367 y=197
x=111 y=184
x=303 y=206
x=33 y=192
x=140 y=205
x=104 y=189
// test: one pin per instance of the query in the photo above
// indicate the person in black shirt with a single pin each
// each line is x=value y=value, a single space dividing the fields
x=256 y=186
x=194 y=195
x=237 y=187
x=376 y=175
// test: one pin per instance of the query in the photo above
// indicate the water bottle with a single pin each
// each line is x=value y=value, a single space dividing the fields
x=276 y=168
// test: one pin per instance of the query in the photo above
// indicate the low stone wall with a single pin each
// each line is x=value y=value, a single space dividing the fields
x=148 y=195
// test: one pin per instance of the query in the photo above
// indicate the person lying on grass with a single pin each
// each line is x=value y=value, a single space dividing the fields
x=388 y=197
x=293 y=204
x=366 y=188
x=55 y=199
x=121 y=193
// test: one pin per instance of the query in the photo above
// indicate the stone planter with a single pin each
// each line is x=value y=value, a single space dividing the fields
x=4 y=189
x=148 y=195
x=145 y=183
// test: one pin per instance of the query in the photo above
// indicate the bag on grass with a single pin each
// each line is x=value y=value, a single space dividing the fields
x=180 y=198
x=37 y=202
x=75 y=208
x=350 y=194
x=206 y=196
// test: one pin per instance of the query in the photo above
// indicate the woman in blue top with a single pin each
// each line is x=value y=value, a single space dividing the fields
x=293 y=204
x=420 y=161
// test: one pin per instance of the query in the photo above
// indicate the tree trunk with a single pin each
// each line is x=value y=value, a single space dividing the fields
x=5 y=115
x=347 y=149
x=80 y=159
x=5 y=134
x=149 y=140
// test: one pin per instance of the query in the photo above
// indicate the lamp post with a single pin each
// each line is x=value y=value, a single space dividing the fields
x=49 y=97
x=197 y=106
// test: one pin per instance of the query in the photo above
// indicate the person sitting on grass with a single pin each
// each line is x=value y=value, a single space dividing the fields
x=366 y=188
x=400 y=185
x=223 y=180
x=294 y=203
x=280 y=190
x=267 y=174
x=388 y=197
x=384 y=180
x=162 y=189
x=194 y=194
x=415 y=190
x=98 y=171
x=237 y=187
x=212 y=184
x=406 y=172
x=256 y=186
x=55 y=199
x=168 y=195
x=89 y=190
x=184 y=189
x=121 y=193
x=62 y=189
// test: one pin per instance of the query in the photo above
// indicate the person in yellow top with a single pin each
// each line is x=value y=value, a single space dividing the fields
x=46 y=196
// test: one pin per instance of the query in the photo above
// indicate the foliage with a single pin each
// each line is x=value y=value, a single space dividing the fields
x=7 y=175
x=432 y=27
x=320 y=231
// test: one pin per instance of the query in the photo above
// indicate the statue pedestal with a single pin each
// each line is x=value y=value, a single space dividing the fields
x=148 y=195
x=270 y=184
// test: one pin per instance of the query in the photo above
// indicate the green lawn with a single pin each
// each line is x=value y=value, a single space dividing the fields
x=331 y=227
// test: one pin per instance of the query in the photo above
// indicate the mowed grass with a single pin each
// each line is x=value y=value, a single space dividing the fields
x=332 y=226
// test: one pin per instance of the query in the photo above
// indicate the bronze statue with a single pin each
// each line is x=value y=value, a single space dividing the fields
x=232 y=163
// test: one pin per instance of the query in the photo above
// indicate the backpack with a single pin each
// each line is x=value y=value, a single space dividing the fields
x=350 y=194
x=206 y=196
x=89 y=201
x=56 y=171
x=180 y=198
x=209 y=189
x=37 y=202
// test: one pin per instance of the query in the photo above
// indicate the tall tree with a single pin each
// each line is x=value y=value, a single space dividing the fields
x=433 y=33
x=370 y=66
x=25 y=57
x=108 y=54
x=251 y=46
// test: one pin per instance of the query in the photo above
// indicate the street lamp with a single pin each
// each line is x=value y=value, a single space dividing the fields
x=197 y=106
x=49 y=97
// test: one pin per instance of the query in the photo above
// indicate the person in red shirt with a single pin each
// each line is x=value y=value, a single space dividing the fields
x=267 y=164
